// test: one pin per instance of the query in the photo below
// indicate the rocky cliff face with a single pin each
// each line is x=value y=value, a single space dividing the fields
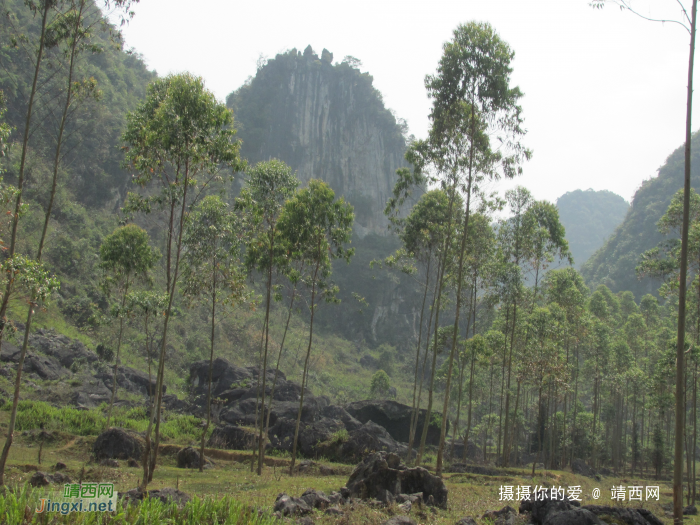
x=327 y=122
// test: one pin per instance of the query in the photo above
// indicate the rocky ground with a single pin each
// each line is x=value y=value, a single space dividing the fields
x=353 y=471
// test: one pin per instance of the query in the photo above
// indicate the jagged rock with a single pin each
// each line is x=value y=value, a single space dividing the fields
x=466 y=521
x=369 y=438
x=310 y=435
x=334 y=511
x=232 y=437
x=60 y=466
x=545 y=511
x=506 y=516
x=336 y=498
x=394 y=417
x=375 y=475
x=172 y=403
x=630 y=516
x=133 y=463
x=91 y=394
x=44 y=367
x=224 y=375
x=188 y=457
x=117 y=443
x=339 y=413
x=107 y=462
x=166 y=495
x=578 y=466
x=291 y=506
x=130 y=380
x=64 y=349
x=690 y=510
x=316 y=499
x=41 y=479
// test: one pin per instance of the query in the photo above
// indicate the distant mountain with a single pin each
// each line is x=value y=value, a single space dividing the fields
x=328 y=122
x=590 y=217
x=614 y=263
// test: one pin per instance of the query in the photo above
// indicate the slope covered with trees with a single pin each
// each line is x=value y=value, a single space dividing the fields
x=615 y=262
x=590 y=217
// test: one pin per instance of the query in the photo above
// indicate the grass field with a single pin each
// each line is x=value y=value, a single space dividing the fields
x=227 y=492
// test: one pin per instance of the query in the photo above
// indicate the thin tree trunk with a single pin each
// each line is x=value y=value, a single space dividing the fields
x=20 y=184
x=261 y=441
x=20 y=180
x=116 y=362
x=306 y=367
x=414 y=425
x=277 y=367
x=211 y=369
x=161 y=365
x=680 y=343
x=414 y=407
x=469 y=409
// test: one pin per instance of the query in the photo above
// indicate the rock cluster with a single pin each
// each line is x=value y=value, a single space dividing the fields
x=546 y=511
x=382 y=476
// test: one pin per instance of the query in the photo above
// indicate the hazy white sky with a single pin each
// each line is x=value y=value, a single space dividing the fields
x=605 y=91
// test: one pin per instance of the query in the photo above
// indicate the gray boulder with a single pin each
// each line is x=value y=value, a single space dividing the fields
x=64 y=349
x=117 y=443
x=232 y=437
x=291 y=506
x=129 y=379
x=41 y=479
x=47 y=368
x=189 y=457
x=394 y=417
x=381 y=472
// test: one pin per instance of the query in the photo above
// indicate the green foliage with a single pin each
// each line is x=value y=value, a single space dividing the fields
x=127 y=253
x=614 y=263
x=380 y=385
x=199 y=510
x=38 y=414
x=179 y=135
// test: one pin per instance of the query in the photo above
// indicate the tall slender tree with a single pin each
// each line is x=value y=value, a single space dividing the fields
x=270 y=184
x=212 y=269
x=126 y=256
x=178 y=140
x=317 y=228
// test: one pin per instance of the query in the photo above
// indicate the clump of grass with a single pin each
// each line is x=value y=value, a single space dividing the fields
x=14 y=502
x=39 y=414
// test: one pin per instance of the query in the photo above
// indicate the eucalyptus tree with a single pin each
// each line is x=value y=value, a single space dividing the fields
x=317 y=228
x=212 y=270
x=472 y=101
x=566 y=288
x=533 y=237
x=147 y=306
x=270 y=184
x=125 y=256
x=177 y=140
x=542 y=363
x=475 y=350
x=689 y=23
x=62 y=21
x=36 y=282
x=422 y=235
